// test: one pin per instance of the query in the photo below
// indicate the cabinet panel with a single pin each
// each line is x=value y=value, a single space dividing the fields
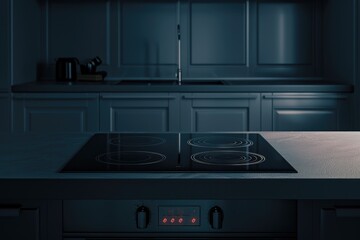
x=305 y=112
x=139 y=112
x=305 y=120
x=66 y=39
x=220 y=112
x=285 y=32
x=5 y=45
x=220 y=119
x=5 y=113
x=22 y=220
x=23 y=226
x=148 y=33
x=218 y=32
x=337 y=220
x=56 y=113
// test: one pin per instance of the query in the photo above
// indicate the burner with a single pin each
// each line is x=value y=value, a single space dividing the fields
x=131 y=158
x=137 y=141
x=220 y=142
x=229 y=158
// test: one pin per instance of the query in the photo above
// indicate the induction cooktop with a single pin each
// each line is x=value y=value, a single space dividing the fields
x=177 y=152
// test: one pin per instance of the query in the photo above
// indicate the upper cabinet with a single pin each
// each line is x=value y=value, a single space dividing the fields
x=237 y=39
x=5 y=45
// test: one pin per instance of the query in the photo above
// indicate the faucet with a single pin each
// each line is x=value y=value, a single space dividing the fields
x=178 y=72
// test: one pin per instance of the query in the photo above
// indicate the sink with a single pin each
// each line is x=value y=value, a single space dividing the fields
x=147 y=82
x=169 y=82
x=199 y=82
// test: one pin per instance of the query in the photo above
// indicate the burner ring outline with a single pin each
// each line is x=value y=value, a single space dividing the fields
x=245 y=162
x=236 y=143
x=129 y=163
x=115 y=141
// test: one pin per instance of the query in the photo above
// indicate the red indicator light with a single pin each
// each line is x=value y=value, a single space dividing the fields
x=164 y=220
x=180 y=220
x=193 y=220
x=172 y=220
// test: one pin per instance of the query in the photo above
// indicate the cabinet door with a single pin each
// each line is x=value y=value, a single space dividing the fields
x=337 y=221
x=5 y=113
x=305 y=112
x=20 y=221
x=56 y=112
x=139 y=112
x=220 y=112
x=5 y=48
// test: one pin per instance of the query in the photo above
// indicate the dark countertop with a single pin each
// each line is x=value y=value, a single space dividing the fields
x=198 y=86
x=328 y=165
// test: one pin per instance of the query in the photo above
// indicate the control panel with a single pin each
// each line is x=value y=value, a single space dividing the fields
x=171 y=218
x=179 y=216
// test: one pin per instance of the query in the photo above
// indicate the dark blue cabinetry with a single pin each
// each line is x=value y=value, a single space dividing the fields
x=205 y=112
x=56 y=112
x=336 y=220
x=306 y=112
x=139 y=112
x=5 y=45
x=22 y=220
x=5 y=112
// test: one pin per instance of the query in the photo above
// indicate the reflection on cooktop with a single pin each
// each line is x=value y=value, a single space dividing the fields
x=173 y=152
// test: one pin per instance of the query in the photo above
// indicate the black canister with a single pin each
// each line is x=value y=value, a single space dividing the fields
x=66 y=69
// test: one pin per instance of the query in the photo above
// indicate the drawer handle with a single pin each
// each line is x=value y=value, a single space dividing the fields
x=306 y=97
x=348 y=212
x=222 y=97
x=137 y=97
x=9 y=211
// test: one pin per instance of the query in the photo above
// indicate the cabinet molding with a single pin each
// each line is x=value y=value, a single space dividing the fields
x=56 y=112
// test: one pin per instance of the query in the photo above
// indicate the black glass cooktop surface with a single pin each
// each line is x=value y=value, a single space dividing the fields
x=173 y=152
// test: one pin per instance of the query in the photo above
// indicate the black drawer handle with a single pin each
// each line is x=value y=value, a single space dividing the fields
x=9 y=212
x=306 y=97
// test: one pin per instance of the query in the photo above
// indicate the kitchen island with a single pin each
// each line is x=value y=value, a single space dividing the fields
x=323 y=192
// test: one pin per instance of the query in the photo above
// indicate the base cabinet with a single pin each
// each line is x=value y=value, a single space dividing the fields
x=219 y=112
x=5 y=113
x=305 y=112
x=39 y=113
x=139 y=112
x=337 y=220
x=21 y=220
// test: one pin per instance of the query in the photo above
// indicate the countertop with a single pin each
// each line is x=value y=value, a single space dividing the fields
x=188 y=86
x=328 y=165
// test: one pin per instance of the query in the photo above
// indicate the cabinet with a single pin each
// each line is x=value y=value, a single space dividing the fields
x=22 y=220
x=220 y=112
x=5 y=117
x=305 y=112
x=139 y=112
x=56 y=112
x=337 y=220
x=5 y=48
